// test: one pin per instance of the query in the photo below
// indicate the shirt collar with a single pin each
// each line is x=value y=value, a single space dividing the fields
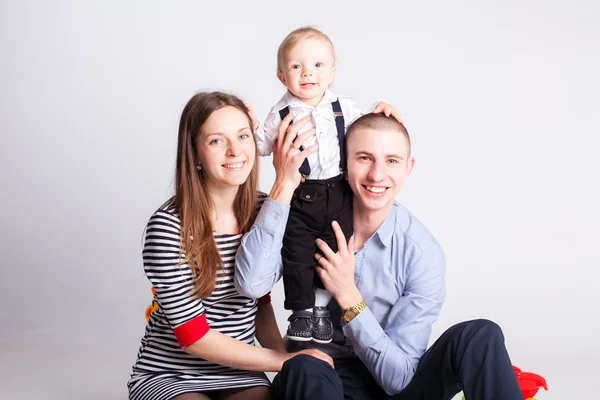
x=385 y=232
x=328 y=97
x=292 y=101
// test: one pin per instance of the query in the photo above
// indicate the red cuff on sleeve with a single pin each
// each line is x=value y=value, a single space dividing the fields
x=191 y=331
x=266 y=299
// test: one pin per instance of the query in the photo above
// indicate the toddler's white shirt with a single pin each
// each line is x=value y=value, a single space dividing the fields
x=325 y=163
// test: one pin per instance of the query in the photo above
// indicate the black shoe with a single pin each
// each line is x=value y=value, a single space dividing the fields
x=322 y=326
x=300 y=328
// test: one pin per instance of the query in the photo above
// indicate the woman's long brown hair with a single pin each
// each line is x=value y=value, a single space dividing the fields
x=192 y=200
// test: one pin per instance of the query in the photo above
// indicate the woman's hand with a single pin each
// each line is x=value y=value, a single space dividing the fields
x=287 y=157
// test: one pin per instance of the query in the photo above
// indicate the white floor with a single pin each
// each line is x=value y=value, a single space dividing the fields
x=59 y=371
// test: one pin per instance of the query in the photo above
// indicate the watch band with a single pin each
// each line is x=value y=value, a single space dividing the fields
x=351 y=312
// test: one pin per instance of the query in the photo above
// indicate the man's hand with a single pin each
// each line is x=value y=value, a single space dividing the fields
x=337 y=269
x=388 y=110
x=287 y=157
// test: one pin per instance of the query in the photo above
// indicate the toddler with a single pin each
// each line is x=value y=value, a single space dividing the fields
x=306 y=66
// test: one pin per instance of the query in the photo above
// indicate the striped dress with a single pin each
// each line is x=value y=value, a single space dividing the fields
x=162 y=369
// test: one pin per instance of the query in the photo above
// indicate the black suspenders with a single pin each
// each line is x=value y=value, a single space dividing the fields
x=339 y=124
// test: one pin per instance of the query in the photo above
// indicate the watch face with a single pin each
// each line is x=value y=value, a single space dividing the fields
x=348 y=315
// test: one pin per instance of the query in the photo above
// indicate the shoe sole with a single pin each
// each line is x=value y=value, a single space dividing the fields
x=321 y=341
x=299 y=338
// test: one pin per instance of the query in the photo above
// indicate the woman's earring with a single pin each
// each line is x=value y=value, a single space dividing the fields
x=198 y=167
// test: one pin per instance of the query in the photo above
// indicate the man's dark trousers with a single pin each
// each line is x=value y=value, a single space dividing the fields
x=469 y=356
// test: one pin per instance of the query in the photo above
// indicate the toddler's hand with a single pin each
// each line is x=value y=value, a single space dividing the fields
x=388 y=110
x=255 y=123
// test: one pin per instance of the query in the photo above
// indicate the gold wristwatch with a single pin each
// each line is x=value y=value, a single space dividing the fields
x=349 y=313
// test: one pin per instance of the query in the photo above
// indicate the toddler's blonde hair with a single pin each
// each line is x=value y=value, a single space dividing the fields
x=294 y=38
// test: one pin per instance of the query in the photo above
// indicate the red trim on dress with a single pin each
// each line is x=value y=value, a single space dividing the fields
x=191 y=331
x=266 y=299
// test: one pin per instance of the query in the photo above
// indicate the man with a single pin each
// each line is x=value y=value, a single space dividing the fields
x=388 y=282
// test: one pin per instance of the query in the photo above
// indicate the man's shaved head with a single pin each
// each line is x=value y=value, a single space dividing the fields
x=378 y=122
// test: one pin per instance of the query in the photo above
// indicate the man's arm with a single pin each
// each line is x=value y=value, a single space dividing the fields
x=258 y=259
x=393 y=354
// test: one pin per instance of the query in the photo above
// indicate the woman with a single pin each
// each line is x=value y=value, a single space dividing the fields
x=199 y=343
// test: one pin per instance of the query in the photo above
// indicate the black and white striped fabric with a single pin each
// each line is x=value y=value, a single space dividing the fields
x=163 y=370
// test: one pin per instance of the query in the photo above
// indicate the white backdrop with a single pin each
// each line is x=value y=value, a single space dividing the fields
x=501 y=99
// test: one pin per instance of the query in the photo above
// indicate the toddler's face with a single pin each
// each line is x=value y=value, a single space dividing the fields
x=308 y=70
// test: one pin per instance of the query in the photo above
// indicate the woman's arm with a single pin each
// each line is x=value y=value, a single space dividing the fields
x=267 y=332
x=224 y=350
